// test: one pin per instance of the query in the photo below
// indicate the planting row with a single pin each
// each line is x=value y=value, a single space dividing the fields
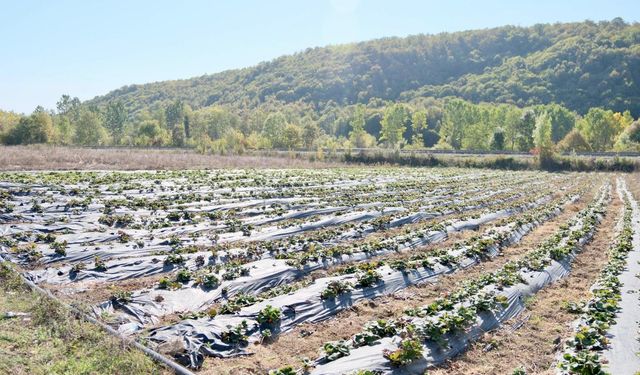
x=428 y=335
x=606 y=332
x=325 y=297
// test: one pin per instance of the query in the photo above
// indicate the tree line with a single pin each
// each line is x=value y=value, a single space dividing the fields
x=449 y=123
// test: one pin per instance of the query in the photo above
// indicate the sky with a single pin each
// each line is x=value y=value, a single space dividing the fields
x=86 y=48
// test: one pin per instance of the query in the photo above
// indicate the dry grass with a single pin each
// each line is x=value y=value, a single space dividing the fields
x=306 y=339
x=535 y=344
x=93 y=292
x=41 y=157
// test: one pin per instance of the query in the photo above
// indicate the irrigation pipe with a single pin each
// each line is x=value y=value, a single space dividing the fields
x=179 y=369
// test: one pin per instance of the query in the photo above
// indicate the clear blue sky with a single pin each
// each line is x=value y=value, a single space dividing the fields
x=89 y=47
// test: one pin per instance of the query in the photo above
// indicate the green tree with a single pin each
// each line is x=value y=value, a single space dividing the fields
x=629 y=139
x=64 y=131
x=419 y=125
x=457 y=115
x=68 y=106
x=574 y=142
x=36 y=128
x=524 y=131
x=562 y=120
x=393 y=124
x=292 y=136
x=174 y=118
x=213 y=122
x=497 y=139
x=115 y=118
x=600 y=128
x=310 y=133
x=149 y=132
x=273 y=129
x=8 y=121
x=358 y=120
x=89 y=129
x=542 y=138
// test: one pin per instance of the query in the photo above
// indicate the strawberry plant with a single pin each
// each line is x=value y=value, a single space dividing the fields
x=99 y=264
x=368 y=278
x=335 y=288
x=269 y=315
x=335 y=349
x=60 y=248
x=121 y=297
x=409 y=351
x=236 y=335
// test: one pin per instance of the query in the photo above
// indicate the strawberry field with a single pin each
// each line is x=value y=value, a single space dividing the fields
x=339 y=271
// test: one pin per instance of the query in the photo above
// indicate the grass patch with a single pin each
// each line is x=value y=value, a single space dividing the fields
x=49 y=340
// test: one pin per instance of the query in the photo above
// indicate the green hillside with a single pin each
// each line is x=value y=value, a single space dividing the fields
x=578 y=65
x=566 y=87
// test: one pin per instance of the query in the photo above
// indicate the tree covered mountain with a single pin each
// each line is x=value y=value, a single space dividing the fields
x=574 y=86
x=578 y=65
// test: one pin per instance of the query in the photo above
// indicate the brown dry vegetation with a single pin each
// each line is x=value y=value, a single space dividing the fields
x=306 y=339
x=532 y=340
x=41 y=157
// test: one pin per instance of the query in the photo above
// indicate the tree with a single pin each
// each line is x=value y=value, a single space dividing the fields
x=562 y=120
x=431 y=138
x=150 y=133
x=64 y=131
x=37 y=128
x=8 y=120
x=456 y=115
x=524 y=131
x=419 y=124
x=68 y=106
x=600 y=128
x=542 y=138
x=115 y=118
x=574 y=142
x=629 y=139
x=393 y=125
x=273 y=129
x=174 y=114
x=89 y=129
x=174 y=118
x=292 y=136
x=235 y=142
x=497 y=139
x=358 y=120
x=212 y=121
x=310 y=133
x=358 y=136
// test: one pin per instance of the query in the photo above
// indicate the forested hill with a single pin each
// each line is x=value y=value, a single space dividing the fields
x=579 y=65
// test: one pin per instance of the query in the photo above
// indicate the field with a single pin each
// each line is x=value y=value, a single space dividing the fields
x=341 y=270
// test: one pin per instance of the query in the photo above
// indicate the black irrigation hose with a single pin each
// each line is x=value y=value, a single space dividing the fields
x=179 y=369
